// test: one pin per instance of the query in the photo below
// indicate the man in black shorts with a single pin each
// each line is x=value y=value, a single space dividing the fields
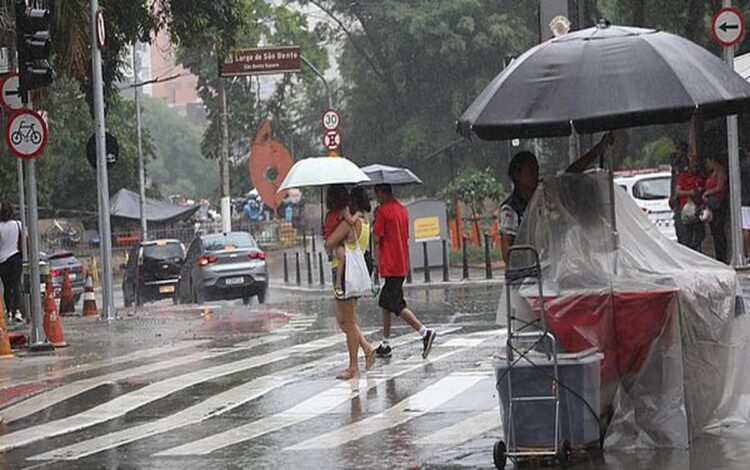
x=391 y=233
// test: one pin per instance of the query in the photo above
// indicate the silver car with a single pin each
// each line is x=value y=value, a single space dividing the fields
x=223 y=266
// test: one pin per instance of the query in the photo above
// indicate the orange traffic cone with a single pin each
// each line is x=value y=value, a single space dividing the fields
x=5 y=352
x=89 y=299
x=52 y=322
x=67 y=304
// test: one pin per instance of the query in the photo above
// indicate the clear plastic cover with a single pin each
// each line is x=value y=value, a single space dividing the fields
x=669 y=321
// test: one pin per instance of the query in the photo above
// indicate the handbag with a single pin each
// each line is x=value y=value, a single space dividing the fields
x=357 y=278
x=688 y=215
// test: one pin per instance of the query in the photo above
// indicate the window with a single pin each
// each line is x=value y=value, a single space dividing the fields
x=229 y=241
x=163 y=251
x=653 y=188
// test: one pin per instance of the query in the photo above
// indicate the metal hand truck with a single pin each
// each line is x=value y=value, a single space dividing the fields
x=525 y=338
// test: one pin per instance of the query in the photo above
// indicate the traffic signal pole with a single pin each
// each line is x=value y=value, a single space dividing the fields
x=105 y=232
x=226 y=211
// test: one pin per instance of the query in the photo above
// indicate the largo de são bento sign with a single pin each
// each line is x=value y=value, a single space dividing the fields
x=261 y=61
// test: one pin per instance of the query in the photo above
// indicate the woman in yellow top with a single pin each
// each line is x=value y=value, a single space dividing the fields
x=346 y=314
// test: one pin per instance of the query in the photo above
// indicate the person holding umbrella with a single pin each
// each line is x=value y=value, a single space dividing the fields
x=524 y=173
x=391 y=233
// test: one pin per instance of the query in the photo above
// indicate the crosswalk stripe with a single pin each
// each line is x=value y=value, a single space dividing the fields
x=59 y=394
x=465 y=430
x=214 y=406
x=320 y=403
x=111 y=361
x=406 y=410
x=130 y=401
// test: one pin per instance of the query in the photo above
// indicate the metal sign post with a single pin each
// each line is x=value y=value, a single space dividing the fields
x=141 y=167
x=728 y=28
x=105 y=233
x=226 y=212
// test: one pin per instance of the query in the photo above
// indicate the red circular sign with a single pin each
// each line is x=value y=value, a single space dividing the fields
x=26 y=134
x=101 y=30
x=332 y=140
x=728 y=26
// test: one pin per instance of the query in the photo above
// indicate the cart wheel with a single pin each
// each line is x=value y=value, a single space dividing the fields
x=499 y=455
x=565 y=455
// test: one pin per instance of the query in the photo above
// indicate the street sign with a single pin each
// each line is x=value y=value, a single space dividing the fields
x=262 y=61
x=9 y=94
x=728 y=27
x=26 y=134
x=331 y=120
x=101 y=30
x=112 y=148
x=332 y=140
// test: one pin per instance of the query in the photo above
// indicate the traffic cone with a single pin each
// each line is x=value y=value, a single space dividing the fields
x=5 y=352
x=67 y=303
x=89 y=299
x=52 y=322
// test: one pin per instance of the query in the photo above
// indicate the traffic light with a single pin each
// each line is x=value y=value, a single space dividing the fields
x=34 y=47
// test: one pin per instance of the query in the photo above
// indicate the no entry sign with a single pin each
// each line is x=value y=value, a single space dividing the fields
x=728 y=27
x=26 y=134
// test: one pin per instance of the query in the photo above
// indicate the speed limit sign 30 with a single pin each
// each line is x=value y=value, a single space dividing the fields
x=26 y=134
x=331 y=120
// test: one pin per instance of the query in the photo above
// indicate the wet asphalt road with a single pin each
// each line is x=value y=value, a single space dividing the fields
x=230 y=387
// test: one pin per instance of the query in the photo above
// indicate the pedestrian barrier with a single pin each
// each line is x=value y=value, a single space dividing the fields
x=67 y=302
x=5 y=352
x=52 y=322
x=89 y=299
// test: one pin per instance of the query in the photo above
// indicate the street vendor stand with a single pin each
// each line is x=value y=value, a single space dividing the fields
x=669 y=322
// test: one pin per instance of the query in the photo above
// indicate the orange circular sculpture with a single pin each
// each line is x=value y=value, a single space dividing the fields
x=268 y=164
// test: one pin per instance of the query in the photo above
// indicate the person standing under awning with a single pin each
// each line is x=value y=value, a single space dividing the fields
x=523 y=171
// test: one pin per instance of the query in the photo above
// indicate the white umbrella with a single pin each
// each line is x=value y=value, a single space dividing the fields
x=323 y=171
x=384 y=174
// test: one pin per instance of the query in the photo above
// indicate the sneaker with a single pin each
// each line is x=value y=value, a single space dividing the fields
x=18 y=317
x=429 y=338
x=383 y=350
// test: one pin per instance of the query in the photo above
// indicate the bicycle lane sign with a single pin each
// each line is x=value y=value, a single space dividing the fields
x=26 y=134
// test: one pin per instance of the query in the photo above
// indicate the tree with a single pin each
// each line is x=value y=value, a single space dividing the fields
x=473 y=188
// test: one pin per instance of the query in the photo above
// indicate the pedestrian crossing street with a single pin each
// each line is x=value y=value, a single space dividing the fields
x=293 y=377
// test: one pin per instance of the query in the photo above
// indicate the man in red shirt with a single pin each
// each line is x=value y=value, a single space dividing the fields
x=391 y=236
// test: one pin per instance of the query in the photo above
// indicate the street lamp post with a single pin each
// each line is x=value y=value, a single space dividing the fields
x=322 y=78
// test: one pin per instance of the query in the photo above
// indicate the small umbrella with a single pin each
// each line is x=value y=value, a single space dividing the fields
x=323 y=171
x=604 y=78
x=384 y=174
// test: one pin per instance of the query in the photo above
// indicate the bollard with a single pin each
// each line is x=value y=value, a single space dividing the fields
x=446 y=276
x=308 y=262
x=465 y=260
x=321 y=272
x=408 y=274
x=312 y=240
x=487 y=257
x=286 y=270
x=426 y=262
x=304 y=240
x=296 y=263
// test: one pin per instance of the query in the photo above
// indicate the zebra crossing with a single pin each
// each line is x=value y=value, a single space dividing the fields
x=456 y=370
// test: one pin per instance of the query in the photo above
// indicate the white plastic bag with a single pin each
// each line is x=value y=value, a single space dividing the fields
x=357 y=277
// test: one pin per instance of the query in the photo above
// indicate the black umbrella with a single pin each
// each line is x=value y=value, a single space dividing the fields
x=604 y=78
x=384 y=174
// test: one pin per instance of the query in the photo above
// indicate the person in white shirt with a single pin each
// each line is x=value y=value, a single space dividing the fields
x=11 y=262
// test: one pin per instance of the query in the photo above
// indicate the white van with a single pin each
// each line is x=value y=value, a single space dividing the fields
x=650 y=189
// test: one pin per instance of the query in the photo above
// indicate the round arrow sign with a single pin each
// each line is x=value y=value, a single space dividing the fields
x=9 y=95
x=728 y=26
x=26 y=134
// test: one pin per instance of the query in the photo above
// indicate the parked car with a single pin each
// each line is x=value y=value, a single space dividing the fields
x=650 y=189
x=59 y=262
x=152 y=271
x=223 y=266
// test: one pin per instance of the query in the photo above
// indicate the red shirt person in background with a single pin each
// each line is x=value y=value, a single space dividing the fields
x=690 y=184
x=391 y=235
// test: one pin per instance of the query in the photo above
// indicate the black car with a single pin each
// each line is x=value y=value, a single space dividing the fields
x=152 y=271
